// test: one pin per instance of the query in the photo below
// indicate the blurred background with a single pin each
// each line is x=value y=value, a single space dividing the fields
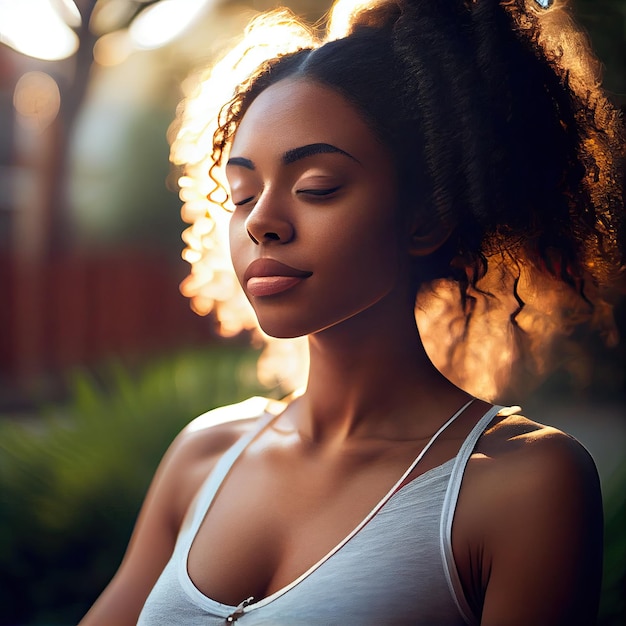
x=102 y=360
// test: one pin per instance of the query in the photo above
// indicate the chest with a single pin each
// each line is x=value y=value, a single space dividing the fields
x=273 y=519
x=390 y=572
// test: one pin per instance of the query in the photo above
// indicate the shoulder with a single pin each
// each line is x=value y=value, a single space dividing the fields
x=183 y=469
x=215 y=431
x=198 y=447
x=519 y=460
x=532 y=516
x=527 y=451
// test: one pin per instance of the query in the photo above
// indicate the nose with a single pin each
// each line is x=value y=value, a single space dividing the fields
x=266 y=224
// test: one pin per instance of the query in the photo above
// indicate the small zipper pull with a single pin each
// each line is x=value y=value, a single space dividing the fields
x=238 y=612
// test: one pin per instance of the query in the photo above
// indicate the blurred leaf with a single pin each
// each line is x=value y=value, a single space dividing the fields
x=613 y=601
x=72 y=478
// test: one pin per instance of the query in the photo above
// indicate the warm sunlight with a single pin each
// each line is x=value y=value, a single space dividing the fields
x=163 y=22
x=35 y=28
x=212 y=285
x=477 y=351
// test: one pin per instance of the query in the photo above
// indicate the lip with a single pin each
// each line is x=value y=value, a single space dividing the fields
x=267 y=277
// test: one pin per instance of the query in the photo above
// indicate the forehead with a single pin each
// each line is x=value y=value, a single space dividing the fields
x=293 y=113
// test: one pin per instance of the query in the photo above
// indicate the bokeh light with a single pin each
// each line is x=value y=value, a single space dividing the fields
x=113 y=48
x=37 y=100
x=35 y=28
x=163 y=22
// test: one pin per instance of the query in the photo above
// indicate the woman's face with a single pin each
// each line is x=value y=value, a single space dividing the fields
x=316 y=236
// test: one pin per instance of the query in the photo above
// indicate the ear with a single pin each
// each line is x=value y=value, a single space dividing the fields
x=426 y=240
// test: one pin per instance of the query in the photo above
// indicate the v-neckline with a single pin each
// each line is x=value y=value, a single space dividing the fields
x=199 y=516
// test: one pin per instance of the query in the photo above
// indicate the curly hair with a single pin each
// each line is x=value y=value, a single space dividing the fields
x=499 y=127
x=504 y=143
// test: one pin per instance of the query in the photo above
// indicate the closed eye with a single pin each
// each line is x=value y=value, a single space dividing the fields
x=319 y=192
x=244 y=201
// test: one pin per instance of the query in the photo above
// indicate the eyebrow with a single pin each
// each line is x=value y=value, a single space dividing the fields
x=296 y=154
x=242 y=162
x=291 y=156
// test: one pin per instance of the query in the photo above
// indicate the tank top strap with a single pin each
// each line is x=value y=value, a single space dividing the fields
x=222 y=467
x=449 y=508
x=366 y=520
x=427 y=447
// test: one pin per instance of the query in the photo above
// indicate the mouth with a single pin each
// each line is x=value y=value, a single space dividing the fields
x=267 y=277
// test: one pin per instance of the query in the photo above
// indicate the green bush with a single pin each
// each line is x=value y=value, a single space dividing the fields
x=72 y=478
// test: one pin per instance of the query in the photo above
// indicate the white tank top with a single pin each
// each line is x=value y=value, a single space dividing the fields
x=396 y=567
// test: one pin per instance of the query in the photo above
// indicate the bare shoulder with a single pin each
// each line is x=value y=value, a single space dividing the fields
x=519 y=462
x=199 y=446
x=212 y=433
x=531 y=514
x=527 y=450
x=183 y=469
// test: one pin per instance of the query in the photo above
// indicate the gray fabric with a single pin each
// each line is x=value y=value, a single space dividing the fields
x=397 y=569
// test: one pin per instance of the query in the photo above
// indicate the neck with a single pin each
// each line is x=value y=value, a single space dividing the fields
x=374 y=384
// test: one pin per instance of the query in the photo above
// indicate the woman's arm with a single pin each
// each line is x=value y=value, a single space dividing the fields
x=183 y=469
x=544 y=545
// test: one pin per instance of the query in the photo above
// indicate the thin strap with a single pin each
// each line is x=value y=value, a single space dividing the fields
x=369 y=517
x=449 y=507
x=207 y=493
x=221 y=469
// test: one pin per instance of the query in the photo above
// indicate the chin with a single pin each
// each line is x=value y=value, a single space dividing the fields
x=281 y=332
x=289 y=327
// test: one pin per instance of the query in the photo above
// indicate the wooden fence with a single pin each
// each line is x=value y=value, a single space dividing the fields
x=80 y=309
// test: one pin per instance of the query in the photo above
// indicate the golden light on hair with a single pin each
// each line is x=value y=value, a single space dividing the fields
x=212 y=285
x=476 y=353
x=511 y=328
x=341 y=16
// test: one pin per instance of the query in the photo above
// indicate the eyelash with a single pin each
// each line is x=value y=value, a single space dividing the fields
x=317 y=193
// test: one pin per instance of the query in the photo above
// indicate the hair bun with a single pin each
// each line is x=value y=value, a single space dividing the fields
x=350 y=16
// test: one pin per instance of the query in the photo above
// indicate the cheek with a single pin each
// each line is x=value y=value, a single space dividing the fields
x=364 y=246
x=238 y=240
x=375 y=231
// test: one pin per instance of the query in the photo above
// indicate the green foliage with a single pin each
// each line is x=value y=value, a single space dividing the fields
x=613 y=602
x=73 y=477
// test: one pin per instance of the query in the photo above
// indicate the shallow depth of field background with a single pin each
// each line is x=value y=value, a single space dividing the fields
x=102 y=361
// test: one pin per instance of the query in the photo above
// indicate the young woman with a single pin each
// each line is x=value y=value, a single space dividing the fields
x=433 y=141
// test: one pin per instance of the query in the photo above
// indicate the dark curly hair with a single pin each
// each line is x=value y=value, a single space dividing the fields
x=502 y=137
x=491 y=129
